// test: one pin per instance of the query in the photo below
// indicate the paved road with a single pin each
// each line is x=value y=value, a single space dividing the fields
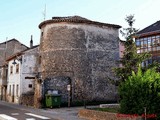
x=20 y=112
x=15 y=112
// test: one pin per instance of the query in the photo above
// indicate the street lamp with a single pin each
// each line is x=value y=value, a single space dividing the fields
x=14 y=62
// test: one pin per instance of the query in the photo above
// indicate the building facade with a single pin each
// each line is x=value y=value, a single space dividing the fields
x=81 y=53
x=22 y=69
x=13 y=82
x=30 y=68
x=148 y=40
x=7 y=49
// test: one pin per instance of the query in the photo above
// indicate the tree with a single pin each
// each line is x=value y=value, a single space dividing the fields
x=142 y=89
x=131 y=60
x=140 y=86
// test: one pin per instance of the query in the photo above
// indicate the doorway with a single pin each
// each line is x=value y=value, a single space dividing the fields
x=13 y=93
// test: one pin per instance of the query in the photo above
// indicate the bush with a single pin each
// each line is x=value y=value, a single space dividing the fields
x=141 y=90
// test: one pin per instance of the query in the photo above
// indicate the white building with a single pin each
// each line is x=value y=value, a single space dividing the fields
x=7 y=49
x=13 y=86
x=22 y=69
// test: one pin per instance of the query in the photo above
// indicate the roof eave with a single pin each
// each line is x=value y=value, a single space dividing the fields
x=148 y=34
x=78 y=21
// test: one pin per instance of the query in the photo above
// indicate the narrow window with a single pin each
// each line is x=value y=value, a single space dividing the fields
x=0 y=74
x=42 y=34
x=11 y=69
x=10 y=90
x=17 y=89
x=17 y=68
x=13 y=92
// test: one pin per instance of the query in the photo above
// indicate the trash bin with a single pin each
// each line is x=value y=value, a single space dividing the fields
x=53 y=100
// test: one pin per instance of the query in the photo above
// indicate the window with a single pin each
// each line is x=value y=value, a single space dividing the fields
x=17 y=89
x=10 y=90
x=11 y=69
x=149 y=49
x=30 y=85
x=138 y=43
x=42 y=34
x=154 y=49
x=145 y=44
x=0 y=74
x=17 y=68
x=158 y=48
x=149 y=42
x=13 y=92
x=141 y=43
x=153 y=41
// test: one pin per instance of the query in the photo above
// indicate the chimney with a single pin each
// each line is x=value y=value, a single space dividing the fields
x=31 y=42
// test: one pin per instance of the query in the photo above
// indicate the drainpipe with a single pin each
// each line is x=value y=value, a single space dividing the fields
x=21 y=77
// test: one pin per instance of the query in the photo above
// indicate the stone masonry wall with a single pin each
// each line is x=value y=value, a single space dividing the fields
x=85 y=53
x=27 y=99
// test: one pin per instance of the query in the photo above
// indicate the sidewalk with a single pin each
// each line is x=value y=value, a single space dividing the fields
x=65 y=113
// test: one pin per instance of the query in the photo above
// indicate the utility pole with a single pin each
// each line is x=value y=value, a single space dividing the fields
x=5 y=52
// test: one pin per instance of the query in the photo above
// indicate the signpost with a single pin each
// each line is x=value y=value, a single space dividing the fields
x=69 y=89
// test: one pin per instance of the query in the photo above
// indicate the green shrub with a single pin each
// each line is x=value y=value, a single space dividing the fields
x=141 y=90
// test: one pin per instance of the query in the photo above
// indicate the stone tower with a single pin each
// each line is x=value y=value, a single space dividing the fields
x=79 y=52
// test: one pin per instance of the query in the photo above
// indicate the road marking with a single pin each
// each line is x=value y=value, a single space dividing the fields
x=6 y=117
x=14 y=113
x=38 y=116
x=30 y=119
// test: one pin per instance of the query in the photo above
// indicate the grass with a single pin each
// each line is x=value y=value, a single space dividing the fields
x=114 y=110
x=88 y=103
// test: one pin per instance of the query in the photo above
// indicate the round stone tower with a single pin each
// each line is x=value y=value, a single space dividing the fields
x=81 y=53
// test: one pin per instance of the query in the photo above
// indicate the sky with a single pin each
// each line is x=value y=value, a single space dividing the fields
x=19 y=19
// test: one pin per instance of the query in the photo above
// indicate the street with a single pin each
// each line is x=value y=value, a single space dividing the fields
x=13 y=112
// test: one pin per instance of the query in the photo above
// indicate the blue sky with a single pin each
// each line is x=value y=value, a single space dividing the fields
x=20 y=18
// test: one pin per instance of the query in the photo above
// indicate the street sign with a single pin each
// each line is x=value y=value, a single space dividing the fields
x=69 y=87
